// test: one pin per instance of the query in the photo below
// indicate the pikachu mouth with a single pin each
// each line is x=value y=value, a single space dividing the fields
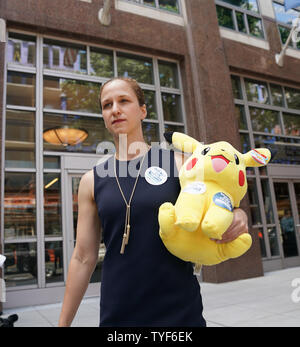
x=219 y=162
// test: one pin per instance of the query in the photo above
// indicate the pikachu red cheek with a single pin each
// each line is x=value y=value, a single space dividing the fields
x=241 y=178
x=191 y=164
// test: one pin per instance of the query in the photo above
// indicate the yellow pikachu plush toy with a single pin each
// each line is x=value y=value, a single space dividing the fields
x=213 y=182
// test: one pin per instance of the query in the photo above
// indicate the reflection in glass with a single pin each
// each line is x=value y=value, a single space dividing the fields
x=64 y=56
x=250 y=5
x=284 y=150
x=292 y=98
x=297 y=195
x=277 y=95
x=51 y=162
x=168 y=74
x=20 y=139
x=169 y=5
x=151 y=132
x=101 y=62
x=149 y=2
x=19 y=205
x=291 y=124
x=267 y=201
x=266 y=121
x=257 y=91
x=273 y=241
x=254 y=205
x=136 y=67
x=236 y=87
x=262 y=244
x=225 y=17
x=52 y=204
x=284 y=16
x=241 y=22
x=284 y=34
x=72 y=95
x=255 y=26
x=54 y=266
x=151 y=104
x=245 y=143
x=241 y=116
x=174 y=128
x=21 y=49
x=20 y=89
x=171 y=107
x=21 y=264
x=287 y=226
x=94 y=126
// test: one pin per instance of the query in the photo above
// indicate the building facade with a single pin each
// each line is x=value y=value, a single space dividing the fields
x=207 y=68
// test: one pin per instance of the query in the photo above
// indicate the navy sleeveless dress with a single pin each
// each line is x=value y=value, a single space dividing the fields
x=146 y=286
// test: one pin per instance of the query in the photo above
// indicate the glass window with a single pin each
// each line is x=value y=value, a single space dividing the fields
x=52 y=204
x=21 y=49
x=20 y=264
x=254 y=205
x=171 y=107
x=245 y=143
x=151 y=104
x=267 y=201
x=54 y=261
x=241 y=22
x=67 y=140
x=139 y=68
x=20 y=89
x=51 y=162
x=291 y=124
x=236 y=87
x=101 y=62
x=151 y=132
x=225 y=17
x=266 y=121
x=257 y=91
x=250 y=5
x=20 y=139
x=241 y=116
x=262 y=244
x=292 y=98
x=255 y=26
x=19 y=205
x=174 y=128
x=64 y=56
x=72 y=95
x=168 y=74
x=169 y=5
x=284 y=151
x=284 y=34
x=273 y=241
x=277 y=95
x=149 y=3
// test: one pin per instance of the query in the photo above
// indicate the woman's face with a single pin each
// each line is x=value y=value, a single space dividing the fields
x=121 y=111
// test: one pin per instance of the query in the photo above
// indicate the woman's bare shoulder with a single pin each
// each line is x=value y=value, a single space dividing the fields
x=87 y=183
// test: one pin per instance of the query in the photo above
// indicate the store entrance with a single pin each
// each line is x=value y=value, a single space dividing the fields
x=287 y=195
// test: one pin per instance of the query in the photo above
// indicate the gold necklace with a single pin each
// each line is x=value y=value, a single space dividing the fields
x=127 y=217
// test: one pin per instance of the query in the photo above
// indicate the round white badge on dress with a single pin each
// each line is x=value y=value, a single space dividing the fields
x=156 y=176
x=195 y=188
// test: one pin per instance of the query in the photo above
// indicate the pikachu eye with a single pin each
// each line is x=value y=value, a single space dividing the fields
x=237 y=160
x=205 y=151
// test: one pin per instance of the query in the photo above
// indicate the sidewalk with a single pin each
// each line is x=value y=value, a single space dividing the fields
x=260 y=302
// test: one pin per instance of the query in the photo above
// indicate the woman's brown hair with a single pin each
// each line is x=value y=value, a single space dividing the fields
x=133 y=84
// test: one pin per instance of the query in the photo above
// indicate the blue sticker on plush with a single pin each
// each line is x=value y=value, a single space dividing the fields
x=222 y=200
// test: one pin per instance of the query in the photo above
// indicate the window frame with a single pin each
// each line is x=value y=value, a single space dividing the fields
x=246 y=13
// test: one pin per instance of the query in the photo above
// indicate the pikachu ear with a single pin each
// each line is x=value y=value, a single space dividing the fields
x=257 y=157
x=182 y=142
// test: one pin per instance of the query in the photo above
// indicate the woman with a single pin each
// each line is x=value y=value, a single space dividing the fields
x=142 y=283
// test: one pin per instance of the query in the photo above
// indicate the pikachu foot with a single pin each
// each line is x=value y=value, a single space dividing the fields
x=188 y=223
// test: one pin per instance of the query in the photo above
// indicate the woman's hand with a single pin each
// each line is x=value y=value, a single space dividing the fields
x=238 y=226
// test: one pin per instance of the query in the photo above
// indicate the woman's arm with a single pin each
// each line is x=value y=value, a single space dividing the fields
x=85 y=255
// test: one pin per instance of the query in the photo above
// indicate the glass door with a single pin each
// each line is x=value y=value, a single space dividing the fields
x=287 y=195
